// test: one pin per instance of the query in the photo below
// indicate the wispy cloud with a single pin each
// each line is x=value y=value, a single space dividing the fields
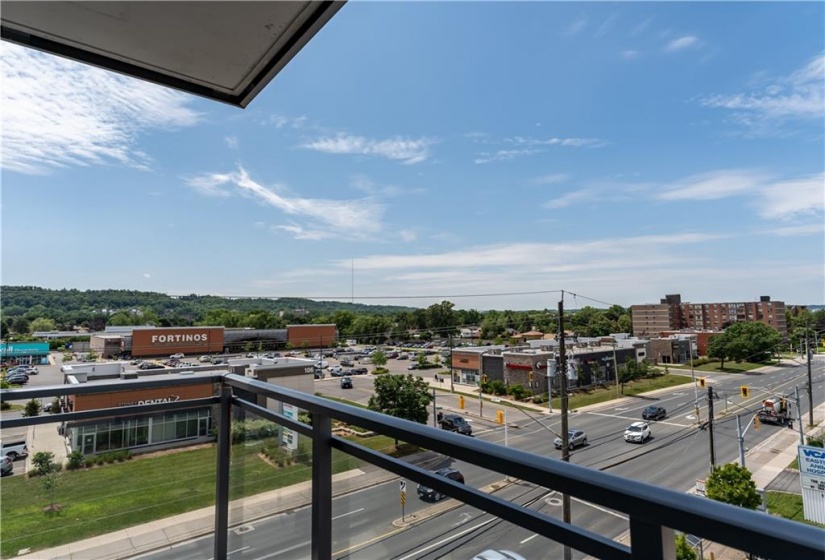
x=641 y=27
x=147 y=275
x=774 y=199
x=282 y=121
x=551 y=179
x=408 y=235
x=355 y=219
x=714 y=185
x=630 y=54
x=606 y=25
x=682 y=43
x=787 y=231
x=59 y=113
x=367 y=185
x=576 y=27
x=231 y=142
x=406 y=150
x=526 y=146
x=570 y=198
x=800 y=96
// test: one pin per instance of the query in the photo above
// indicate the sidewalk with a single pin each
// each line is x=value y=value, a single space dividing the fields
x=44 y=437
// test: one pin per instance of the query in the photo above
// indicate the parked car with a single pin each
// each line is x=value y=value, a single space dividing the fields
x=177 y=356
x=205 y=359
x=346 y=363
x=150 y=365
x=427 y=493
x=638 y=432
x=319 y=373
x=412 y=366
x=346 y=383
x=455 y=423
x=6 y=465
x=336 y=370
x=17 y=378
x=491 y=554
x=575 y=438
x=403 y=356
x=14 y=449
x=360 y=371
x=654 y=413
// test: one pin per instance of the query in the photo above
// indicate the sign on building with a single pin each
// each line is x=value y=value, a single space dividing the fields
x=289 y=438
x=812 y=474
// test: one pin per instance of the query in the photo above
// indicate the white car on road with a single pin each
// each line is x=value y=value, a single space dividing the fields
x=637 y=432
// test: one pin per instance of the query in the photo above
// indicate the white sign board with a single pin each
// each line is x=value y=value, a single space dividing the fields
x=289 y=438
x=812 y=474
x=402 y=484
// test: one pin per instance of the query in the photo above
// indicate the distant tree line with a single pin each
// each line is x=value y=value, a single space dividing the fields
x=29 y=309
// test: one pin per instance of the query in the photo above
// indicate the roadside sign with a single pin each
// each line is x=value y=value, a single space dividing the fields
x=402 y=484
x=700 y=487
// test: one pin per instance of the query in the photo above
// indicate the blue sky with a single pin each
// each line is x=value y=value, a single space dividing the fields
x=623 y=151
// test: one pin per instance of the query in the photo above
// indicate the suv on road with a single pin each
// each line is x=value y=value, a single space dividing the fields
x=427 y=493
x=346 y=383
x=654 y=413
x=575 y=438
x=637 y=432
x=455 y=423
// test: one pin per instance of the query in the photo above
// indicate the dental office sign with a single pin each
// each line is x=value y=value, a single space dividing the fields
x=812 y=474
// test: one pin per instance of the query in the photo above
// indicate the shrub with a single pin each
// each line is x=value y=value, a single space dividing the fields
x=32 y=408
x=518 y=392
x=380 y=371
x=44 y=463
x=539 y=399
x=497 y=387
x=99 y=460
x=816 y=441
x=90 y=461
x=55 y=406
x=76 y=460
x=253 y=429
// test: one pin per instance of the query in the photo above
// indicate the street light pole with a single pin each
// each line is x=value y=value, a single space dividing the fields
x=616 y=368
x=810 y=382
x=695 y=388
x=549 y=388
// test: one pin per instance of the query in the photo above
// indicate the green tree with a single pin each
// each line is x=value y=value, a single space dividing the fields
x=753 y=342
x=442 y=318
x=32 y=408
x=20 y=325
x=732 y=484
x=121 y=319
x=378 y=358
x=42 y=324
x=402 y=396
x=683 y=549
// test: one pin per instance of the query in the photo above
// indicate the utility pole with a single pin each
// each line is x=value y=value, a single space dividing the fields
x=435 y=411
x=565 y=440
x=695 y=389
x=799 y=417
x=550 y=364
x=710 y=428
x=452 y=388
x=810 y=382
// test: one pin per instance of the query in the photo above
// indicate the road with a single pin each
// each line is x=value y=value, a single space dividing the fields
x=675 y=457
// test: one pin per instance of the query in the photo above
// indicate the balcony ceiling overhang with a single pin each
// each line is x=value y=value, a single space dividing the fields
x=222 y=50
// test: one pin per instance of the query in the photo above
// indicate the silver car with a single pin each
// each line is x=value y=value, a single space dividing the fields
x=491 y=554
x=575 y=438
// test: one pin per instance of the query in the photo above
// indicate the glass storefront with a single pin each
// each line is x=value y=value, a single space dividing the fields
x=133 y=433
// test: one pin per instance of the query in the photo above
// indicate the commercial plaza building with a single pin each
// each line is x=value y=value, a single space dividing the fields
x=670 y=314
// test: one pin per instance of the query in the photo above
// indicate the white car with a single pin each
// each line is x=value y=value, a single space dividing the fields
x=335 y=369
x=637 y=432
x=205 y=359
x=491 y=554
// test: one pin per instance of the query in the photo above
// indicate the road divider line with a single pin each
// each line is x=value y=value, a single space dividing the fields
x=528 y=539
x=348 y=513
x=448 y=539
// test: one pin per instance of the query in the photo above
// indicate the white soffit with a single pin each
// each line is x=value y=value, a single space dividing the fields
x=226 y=51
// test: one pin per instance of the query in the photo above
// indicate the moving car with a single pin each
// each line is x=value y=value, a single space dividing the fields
x=638 y=432
x=491 y=554
x=455 y=423
x=575 y=438
x=427 y=493
x=654 y=413
x=346 y=383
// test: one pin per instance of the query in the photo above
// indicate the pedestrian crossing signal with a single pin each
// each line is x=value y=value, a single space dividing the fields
x=702 y=382
x=744 y=391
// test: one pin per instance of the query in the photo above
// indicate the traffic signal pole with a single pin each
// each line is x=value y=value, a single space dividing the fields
x=710 y=428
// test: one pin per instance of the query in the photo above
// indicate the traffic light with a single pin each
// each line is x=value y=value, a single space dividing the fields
x=744 y=391
x=756 y=422
x=530 y=377
x=702 y=382
x=484 y=378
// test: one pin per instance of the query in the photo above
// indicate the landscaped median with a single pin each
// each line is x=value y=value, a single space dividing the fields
x=112 y=497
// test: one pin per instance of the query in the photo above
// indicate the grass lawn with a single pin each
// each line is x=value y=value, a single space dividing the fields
x=734 y=367
x=788 y=506
x=634 y=388
x=120 y=495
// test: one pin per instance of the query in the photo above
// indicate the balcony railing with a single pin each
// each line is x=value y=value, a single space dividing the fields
x=654 y=513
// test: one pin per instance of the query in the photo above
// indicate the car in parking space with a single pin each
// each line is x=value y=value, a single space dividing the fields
x=491 y=554
x=336 y=370
x=575 y=438
x=346 y=363
x=654 y=413
x=177 y=356
x=637 y=432
x=359 y=371
x=205 y=359
x=150 y=365
x=17 y=378
x=455 y=423
x=429 y=494
x=6 y=465
x=346 y=383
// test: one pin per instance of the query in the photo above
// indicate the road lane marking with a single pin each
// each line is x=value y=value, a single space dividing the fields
x=448 y=539
x=528 y=539
x=346 y=514
x=600 y=508
x=234 y=551
x=283 y=551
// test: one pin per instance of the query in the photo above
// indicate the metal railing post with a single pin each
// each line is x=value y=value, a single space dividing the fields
x=321 y=487
x=651 y=542
x=222 y=475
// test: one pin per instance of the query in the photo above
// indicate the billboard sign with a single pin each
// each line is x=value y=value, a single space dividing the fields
x=184 y=340
x=812 y=474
